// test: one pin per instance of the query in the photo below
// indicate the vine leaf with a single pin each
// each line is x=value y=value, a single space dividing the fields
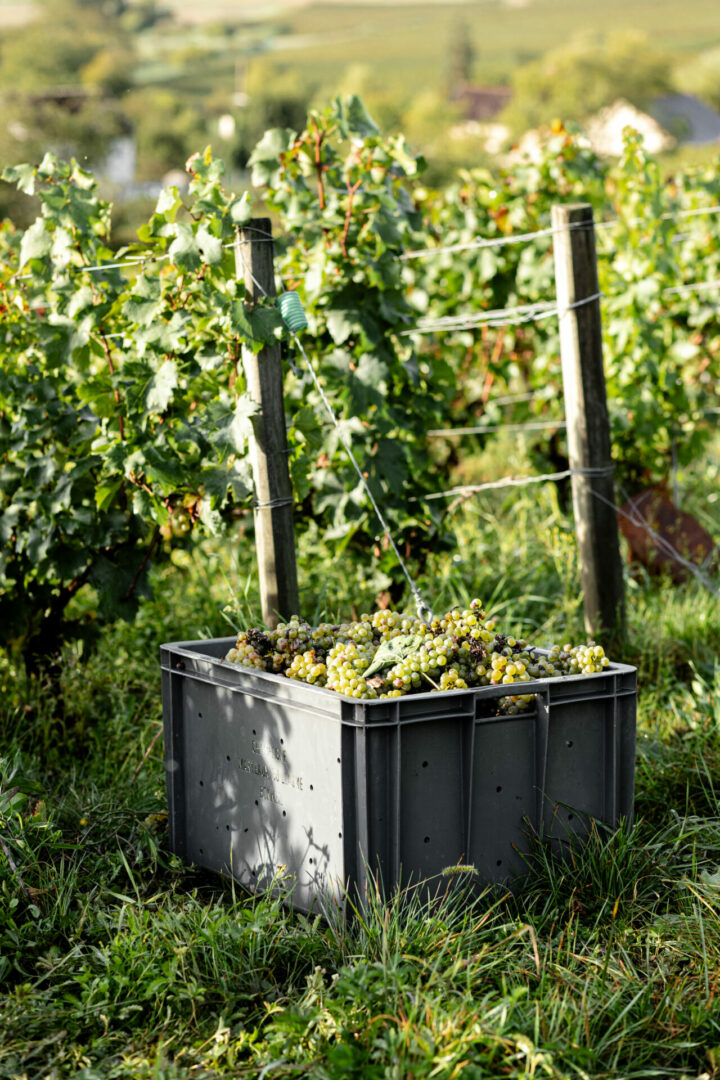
x=393 y=651
x=232 y=428
x=354 y=119
x=265 y=158
x=36 y=242
x=341 y=324
x=210 y=246
x=184 y=250
x=220 y=479
x=240 y=209
x=264 y=323
x=105 y=493
x=23 y=176
x=160 y=388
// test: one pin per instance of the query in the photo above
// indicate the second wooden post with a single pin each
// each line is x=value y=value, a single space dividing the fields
x=274 y=530
x=588 y=428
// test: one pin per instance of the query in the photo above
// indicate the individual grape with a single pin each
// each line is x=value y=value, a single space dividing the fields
x=180 y=521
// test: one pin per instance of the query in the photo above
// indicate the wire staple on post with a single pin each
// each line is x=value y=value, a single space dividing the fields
x=272 y=504
x=600 y=471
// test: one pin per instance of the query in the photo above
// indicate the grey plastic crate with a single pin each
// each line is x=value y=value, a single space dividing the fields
x=264 y=772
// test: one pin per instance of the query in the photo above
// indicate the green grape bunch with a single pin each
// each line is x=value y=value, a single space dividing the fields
x=386 y=654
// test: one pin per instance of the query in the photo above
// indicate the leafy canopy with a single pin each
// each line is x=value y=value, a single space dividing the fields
x=122 y=397
x=124 y=416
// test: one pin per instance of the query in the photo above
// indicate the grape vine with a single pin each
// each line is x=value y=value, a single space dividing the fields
x=123 y=413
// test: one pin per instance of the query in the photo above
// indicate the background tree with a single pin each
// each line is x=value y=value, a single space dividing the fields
x=167 y=130
x=460 y=59
x=576 y=79
x=701 y=76
x=276 y=97
x=62 y=98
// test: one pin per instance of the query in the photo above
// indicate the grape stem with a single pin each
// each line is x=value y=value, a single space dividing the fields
x=147 y=753
x=426 y=676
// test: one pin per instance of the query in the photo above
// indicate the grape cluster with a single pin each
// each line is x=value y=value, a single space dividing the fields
x=457 y=651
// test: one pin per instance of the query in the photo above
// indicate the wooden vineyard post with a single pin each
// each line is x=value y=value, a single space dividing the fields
x=588 y=428
x=274 y=531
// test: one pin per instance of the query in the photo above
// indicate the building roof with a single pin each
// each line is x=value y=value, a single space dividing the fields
x=687 y=118
x=482 y=102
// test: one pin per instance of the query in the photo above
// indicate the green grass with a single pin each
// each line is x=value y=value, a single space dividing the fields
x=405 y=46
x=118 y=961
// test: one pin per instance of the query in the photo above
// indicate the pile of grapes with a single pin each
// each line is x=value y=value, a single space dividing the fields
x=387 y=655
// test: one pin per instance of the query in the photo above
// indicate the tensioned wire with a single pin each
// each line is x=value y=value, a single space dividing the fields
x=517 y=316
x=634 y=517
x=543 y=311
x=497 y=317
x=519 y=238
x=144 y=260
x=527 y=313
x=532 y=425
x=661 y=543
x=697 y=286
x=423 y=609
x=489 y=242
